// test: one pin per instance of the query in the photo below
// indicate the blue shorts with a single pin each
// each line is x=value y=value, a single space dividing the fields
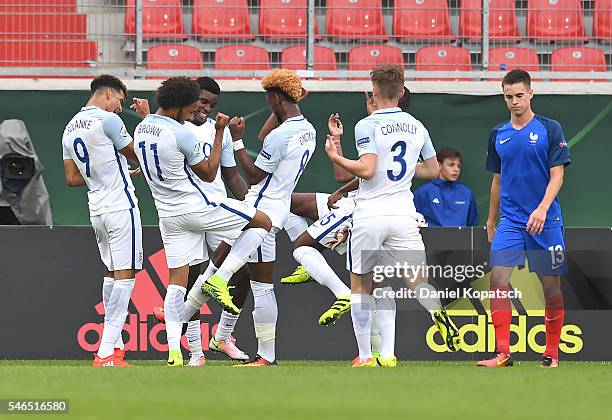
x=545 y=252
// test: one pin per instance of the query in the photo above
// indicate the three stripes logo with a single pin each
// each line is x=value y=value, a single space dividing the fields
x=143 y=331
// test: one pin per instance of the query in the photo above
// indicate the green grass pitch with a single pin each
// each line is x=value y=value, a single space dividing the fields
x=316 y=390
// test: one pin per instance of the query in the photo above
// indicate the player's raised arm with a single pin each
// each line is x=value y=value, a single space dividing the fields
x=207 y=169
x=365 y=166
x=234 y=181
x=254 y=173
x=141 y=106
x=270 y=124
x=336 y=129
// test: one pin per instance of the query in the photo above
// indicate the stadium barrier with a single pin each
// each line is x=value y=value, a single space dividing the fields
x=51 y=301
x=328 y=39
x=460 y=121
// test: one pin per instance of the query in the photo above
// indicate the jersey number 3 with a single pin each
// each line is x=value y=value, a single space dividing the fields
x=153 y=148
x=399 y=158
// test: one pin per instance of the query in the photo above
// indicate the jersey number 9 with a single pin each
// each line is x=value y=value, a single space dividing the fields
x=84 y=157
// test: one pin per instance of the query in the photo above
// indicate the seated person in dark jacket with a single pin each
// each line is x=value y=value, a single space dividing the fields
x=445 y=201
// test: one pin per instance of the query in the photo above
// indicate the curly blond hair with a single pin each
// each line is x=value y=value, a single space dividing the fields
x=284 y=80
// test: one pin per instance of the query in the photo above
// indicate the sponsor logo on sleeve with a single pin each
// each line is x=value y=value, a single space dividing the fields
x=265 y=154
x=363 y=141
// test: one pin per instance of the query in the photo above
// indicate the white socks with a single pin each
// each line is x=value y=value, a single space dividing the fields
x=245 y=245
x=194 y=338
x=314 y=263
x=174 y=304
x=226 y=325
x=385 y=320
x=295 y=226
x=265 y=313
x=114 y=317
x=428 y=300
x=361 y=313
x=107 y=288
x=196 y=299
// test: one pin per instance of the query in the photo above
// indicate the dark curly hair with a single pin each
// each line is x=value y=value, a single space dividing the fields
x=177 y=92
x=107 y=81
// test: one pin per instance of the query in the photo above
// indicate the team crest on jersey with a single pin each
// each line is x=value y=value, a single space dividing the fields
x=123 y=132
x=197 y=148
x=533 y=138
x=563 y=144
x=363 y=141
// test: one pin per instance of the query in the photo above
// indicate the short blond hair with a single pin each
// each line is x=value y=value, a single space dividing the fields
x=389 y=78
x=285 y=81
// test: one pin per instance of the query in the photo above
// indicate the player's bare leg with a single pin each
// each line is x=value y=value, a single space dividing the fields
x=501 y=316
x=305 y=205
x=265 y=313
x=115 y=313
x=553 y=319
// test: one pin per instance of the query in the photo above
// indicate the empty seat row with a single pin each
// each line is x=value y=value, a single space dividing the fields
x=413 y=20
x=43 y=26
x=431 y=58
x=38 y=6
x=45 y=53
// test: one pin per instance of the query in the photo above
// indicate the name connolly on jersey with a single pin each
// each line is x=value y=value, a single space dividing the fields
x=144 y=333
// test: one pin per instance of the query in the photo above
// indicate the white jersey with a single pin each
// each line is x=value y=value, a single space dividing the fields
x=284 y=155
x=165 y=148
x=205 y=134
x=398 y=139
x=92 y=139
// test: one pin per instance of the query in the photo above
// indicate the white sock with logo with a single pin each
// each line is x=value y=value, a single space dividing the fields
x=425 y=294
x=362 y=306
x=315 y=264
x=226 y=325
x=265 y=314
x=195 y=298
x=295 y=226
x=385 y=318
x=173 y=307
x=194 y=338
x=107 y=288
x=115 y=314
x=245 y=245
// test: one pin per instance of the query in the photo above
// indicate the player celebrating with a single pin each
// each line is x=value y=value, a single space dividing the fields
x=95 y=146
x=284 y=156
x=527 y=156
x=166 y=150
x=389 y=143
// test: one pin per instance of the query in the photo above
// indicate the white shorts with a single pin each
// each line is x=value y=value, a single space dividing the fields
x=267 y=250
x=331 y=221
x=183 y=235
x=383 y=240
x=119 y=238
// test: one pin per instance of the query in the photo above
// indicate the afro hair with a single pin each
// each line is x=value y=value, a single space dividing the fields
x=285 y=82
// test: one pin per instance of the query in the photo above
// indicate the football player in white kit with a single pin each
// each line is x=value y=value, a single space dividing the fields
x=95 y=146
x=283 y=158
x=170 y=154
x=389 y=143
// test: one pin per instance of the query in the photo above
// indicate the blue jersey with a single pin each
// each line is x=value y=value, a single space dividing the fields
x=524 y=158
x=446 y=203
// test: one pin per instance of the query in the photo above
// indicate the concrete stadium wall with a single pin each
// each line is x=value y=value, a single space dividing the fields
x=459 y=121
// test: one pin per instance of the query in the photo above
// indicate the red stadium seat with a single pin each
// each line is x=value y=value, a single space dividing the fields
x=221 y=19
x=283 y=18
x=555 y=20
x=38 y=6
x=160 y=19
x=355 y=19
x=294 y=58
x=509 y=58
x=422 y=20
x=48 y=53
x=443 y=58
x=602 y=20
x=578 y=59
x=173 y=57
x=242 y=57
x=367 y=57
x=502 y=20
x=43 y=26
